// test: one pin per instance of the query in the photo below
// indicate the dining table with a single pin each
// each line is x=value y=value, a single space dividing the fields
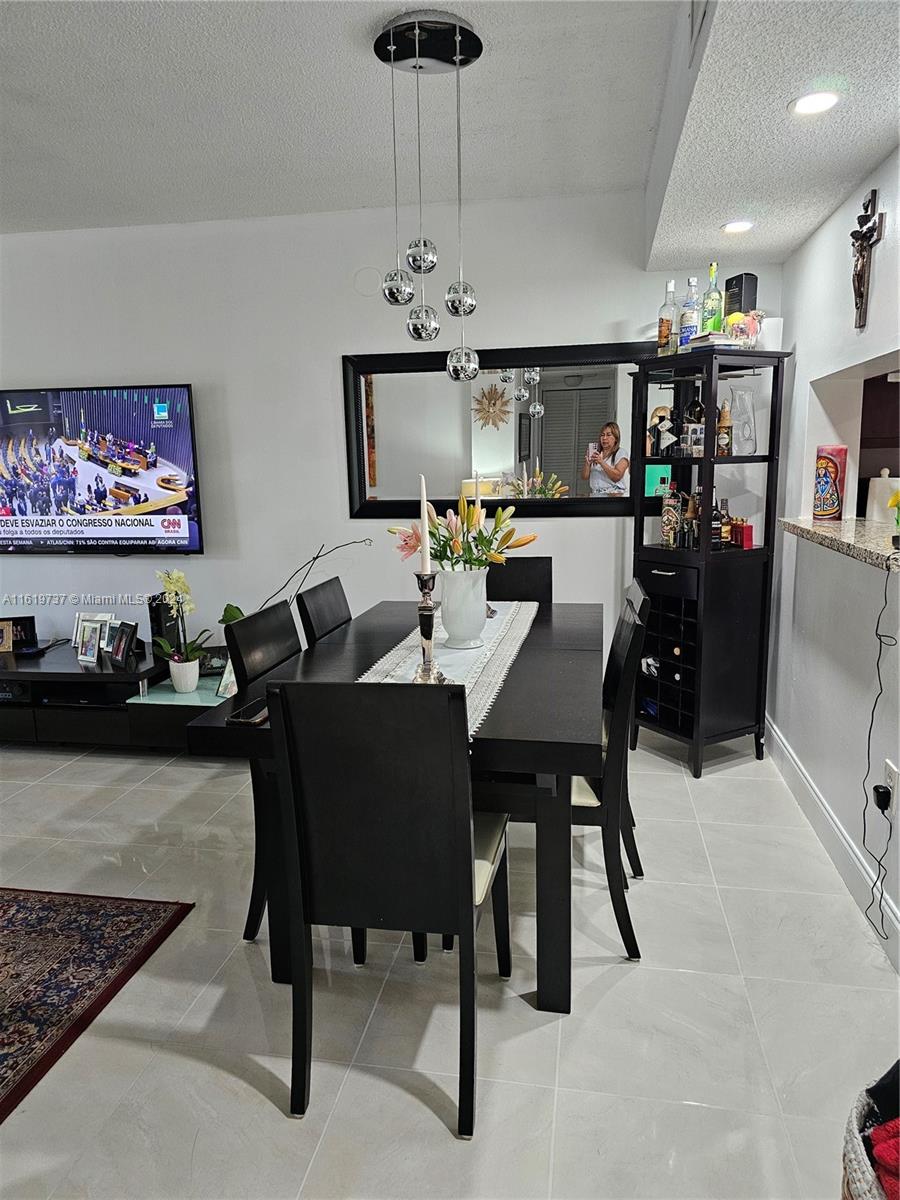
x=546 y=721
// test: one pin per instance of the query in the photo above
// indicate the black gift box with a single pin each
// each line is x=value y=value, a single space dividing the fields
x=740 y=294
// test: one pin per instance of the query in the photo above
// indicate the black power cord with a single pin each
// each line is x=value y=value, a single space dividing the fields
x=877 y=889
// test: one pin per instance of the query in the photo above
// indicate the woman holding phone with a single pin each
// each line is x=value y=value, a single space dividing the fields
x=605 y=464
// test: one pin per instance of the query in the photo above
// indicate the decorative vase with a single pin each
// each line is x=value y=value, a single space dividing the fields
x=831 y=472
x=743 y=421
x=185 y=675
x=464 y=607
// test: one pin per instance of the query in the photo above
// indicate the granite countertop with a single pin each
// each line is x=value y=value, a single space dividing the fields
x=866 y=541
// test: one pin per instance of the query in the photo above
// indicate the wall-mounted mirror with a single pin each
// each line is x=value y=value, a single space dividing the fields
x=546 y=427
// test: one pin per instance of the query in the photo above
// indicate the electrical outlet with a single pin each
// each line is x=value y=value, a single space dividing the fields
x=891 y=779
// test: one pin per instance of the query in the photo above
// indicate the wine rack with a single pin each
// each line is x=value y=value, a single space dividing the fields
x=705 y=662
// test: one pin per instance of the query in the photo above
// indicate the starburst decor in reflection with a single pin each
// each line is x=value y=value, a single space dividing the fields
x=492 y=407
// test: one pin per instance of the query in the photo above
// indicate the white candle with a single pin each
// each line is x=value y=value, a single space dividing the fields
x=537 y=469
x=524 y=480
x=426 y=537
x=477 y=492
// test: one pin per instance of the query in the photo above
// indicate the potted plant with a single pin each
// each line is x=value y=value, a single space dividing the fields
x=464 y=543
x=184 y=657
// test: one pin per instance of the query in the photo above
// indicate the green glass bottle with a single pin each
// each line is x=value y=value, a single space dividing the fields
x=713 y=303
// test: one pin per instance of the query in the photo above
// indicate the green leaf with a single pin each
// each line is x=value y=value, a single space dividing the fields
x=165 y=648
x=230 y=613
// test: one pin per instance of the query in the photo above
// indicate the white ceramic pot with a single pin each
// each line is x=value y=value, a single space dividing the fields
x=185 y=675
x=464 y=607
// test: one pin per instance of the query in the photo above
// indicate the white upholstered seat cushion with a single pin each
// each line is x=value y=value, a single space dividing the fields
x=489 y=829
x=582 y=793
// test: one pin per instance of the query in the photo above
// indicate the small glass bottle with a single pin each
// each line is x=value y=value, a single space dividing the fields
x=666 y=335
x=726 y=522
x=713 y=303
x=724 y=432
x=715 y=527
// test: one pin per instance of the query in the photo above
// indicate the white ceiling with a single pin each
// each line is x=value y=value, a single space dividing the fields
x=742 y=154
x=140 y=113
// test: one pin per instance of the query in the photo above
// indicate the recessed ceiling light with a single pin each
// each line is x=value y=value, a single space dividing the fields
x=815 y=102
x=737 y=226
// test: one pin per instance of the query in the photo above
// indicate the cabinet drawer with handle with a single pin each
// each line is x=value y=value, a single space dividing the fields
x=658 y=579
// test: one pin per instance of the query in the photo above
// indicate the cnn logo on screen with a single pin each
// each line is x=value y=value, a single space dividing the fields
x=171 y=524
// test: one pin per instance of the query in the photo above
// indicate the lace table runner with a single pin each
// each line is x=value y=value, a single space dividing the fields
x=481 y=670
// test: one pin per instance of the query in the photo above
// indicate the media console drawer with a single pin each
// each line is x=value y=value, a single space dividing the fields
x=101 y=726
x=660 y=579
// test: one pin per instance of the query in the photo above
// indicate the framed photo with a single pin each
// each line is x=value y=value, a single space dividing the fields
x=524 y=450
x=227 y=684
x=124 y=641
x=6 y=637
x=24 y=633
x=112 y=628
x=104 y=618
x=90 y=639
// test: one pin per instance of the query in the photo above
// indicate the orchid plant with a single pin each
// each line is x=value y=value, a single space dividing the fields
x=177 y=595
x=539 y=488
x=464 y=540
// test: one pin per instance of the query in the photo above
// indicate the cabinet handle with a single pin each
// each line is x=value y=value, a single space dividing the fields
x=655 y=572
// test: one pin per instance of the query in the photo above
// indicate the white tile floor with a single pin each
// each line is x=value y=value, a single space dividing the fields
x=721 y=1066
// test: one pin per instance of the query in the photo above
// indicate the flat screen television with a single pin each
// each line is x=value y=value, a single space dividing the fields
x=105 y=470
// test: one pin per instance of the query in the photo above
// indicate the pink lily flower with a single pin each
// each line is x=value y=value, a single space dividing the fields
x=409 y=541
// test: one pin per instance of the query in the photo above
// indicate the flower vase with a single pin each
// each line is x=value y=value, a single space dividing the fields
x=464 y=607
x=185 y=675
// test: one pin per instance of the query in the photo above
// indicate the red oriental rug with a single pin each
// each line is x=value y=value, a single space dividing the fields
x=62 y=959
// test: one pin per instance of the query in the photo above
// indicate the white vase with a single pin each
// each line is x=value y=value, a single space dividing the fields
x=185 y=675
x=464 y=607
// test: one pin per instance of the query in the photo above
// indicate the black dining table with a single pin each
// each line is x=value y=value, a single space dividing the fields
x=546 y=720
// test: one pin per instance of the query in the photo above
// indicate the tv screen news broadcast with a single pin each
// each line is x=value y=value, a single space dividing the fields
x=102 y=470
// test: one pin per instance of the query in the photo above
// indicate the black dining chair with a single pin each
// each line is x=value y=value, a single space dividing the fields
x=323 y=608
x=521 y=579
x=378 y=833
x=257 y=644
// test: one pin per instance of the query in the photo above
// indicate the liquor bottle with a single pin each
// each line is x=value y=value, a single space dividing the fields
x=694 y=411
x=688 y=314
x=670 y=519
x=715 y=529
x=726 y=522
x=666 y=339
x=713 y=303
x=724 y=432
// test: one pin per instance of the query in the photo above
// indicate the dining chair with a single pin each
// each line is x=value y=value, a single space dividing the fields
x=521 y=579
x=378 y=833
x=256 y=644
x=323 y=608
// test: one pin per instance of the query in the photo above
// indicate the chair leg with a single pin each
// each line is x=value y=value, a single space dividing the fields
x=420 y=947
x=447 y=942
x=257 y=906
x=500 y=906
x=615 y=878
x=631 y=850
x=468 y=999
x=358 y=937
x=301 y=1017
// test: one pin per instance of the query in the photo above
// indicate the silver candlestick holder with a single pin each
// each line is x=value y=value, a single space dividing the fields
x=427 y=671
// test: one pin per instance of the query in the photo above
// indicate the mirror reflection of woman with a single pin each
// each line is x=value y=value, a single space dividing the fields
x=607 y=466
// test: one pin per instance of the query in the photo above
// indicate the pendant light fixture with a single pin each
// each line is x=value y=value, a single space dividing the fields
x=397 y=287
x=429 y=42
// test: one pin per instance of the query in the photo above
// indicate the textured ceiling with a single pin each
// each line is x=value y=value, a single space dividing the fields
x=742 y=154
x=138 y=113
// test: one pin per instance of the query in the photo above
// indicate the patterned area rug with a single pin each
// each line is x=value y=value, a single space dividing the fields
x=62 y=959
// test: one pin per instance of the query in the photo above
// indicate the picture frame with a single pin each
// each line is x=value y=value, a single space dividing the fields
x=6 y=637
x=90 y=639
x=227 y=684
x=24 y=632
x=112 y=628
x=124 y=642
x=105 y=618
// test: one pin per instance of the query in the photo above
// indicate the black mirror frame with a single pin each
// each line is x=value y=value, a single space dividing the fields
x=355 y=366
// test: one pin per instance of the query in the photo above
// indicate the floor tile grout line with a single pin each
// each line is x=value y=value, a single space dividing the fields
x=762 y=1049
x=552 y=1153
x=340 y=1089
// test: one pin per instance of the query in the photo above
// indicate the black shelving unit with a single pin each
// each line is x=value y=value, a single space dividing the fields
x=710 y=608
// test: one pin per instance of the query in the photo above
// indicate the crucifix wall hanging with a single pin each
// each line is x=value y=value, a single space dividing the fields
x=869 y=232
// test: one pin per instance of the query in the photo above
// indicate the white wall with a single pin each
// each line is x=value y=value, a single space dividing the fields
x=823 y=645
x=256 y=315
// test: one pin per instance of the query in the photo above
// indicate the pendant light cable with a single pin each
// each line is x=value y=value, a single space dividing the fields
x=392 y=48
x=459 y=231
x=419 y=156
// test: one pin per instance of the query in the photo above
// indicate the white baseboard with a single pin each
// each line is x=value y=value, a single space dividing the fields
x=854 y=868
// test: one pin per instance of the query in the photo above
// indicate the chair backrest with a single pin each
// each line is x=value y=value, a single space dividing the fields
x=261 y=641
x=619 y=680
x=376 y=802
x=322 y=608
x=638 y=599
x=521 y=579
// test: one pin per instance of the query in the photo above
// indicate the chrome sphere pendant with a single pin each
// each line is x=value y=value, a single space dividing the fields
x=422 y=324
x=521 y=394
x=462 y=364
x=536 y=409
x=397 y=287
x=507 y=375
x=460 y=299
x=421 y=256
x=532 y=375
